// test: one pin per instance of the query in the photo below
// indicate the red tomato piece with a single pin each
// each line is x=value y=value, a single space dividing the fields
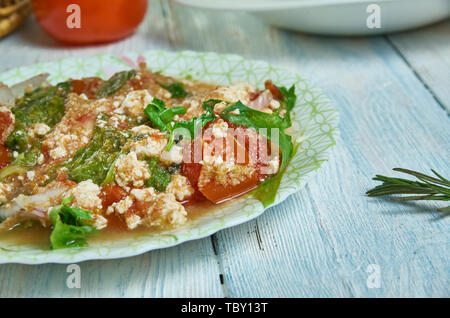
x=111 y=194
x=4 y=156
x=99 y=20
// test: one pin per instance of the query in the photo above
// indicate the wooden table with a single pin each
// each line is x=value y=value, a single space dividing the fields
x=393 y=96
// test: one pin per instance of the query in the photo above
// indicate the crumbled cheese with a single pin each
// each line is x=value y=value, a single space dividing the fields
x=219 y=128
x=38 y=130
x=174 y=155
x=234 y=93
x=120 y=207
x=100 y=222
x=274 y=104
x=166 y=211
x=143 y=195
x=158 y=209
x=152 y=146
x=144 y=130
x=132 y=221
x=58 y=152
x=272 y=167
x=86 y=195
x=130 y=171
x=135 y=102
x=225 y=173
x=74 y=130
x=30 y=175
x=40 y=159
x=180 y=187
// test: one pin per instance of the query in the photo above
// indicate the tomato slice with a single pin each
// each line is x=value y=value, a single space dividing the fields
x=240 y=147
x=218 y=193
x=231 y=149
x=87 y=86
x=111 y=194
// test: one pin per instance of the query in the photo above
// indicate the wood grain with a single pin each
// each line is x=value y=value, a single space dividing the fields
x=319 y=242
x=427 y=51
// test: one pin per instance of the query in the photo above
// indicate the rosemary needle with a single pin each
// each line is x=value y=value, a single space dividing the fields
x=426 y=188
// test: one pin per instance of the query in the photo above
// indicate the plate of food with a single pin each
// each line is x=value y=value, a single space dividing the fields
x=106 y=157
x=336 y=17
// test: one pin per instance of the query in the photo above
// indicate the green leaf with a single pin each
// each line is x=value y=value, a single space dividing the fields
x=176 y=90
x=198 y=123
x=97 y=158
x=43 y=105
x=159 y=176
x=160 y=116
x=288 y=102
x=115 y=83
x=70 y=226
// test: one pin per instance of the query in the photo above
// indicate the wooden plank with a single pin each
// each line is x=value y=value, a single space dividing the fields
x=427 y=51
x=189 y=270
x=322 y=240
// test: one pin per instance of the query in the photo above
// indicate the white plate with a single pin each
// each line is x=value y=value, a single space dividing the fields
x=312 y=115
x=336 y=17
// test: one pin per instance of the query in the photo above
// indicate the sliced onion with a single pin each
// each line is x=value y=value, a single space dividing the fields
x=19 y=89
x=8 y=95
x=38 y=202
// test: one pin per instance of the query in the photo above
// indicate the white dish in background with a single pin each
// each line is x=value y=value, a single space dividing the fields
x=335 y=17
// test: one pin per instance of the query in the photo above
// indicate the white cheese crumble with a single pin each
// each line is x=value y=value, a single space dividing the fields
x=38 y=130
x=174 y=155
x=131 y=172
x=179 y=186
x=152 y=146
x=100 y=222
x=135 y=102
x=86 y=195
x=219 y=128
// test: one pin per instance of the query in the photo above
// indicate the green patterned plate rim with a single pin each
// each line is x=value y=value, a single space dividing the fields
x=313 y=115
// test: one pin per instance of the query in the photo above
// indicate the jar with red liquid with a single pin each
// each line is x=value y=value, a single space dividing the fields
x=89 y=21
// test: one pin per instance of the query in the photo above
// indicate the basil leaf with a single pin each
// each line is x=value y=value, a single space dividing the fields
x=115 y=83
x=288 y=102
x=160 y=116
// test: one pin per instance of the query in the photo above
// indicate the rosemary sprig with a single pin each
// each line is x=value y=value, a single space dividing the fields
x=427 y=188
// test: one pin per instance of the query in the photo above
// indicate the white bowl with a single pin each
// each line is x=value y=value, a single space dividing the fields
x=336 y=17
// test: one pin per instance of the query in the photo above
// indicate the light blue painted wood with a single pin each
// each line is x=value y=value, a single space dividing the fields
x=321 y=240
x=428 y=52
